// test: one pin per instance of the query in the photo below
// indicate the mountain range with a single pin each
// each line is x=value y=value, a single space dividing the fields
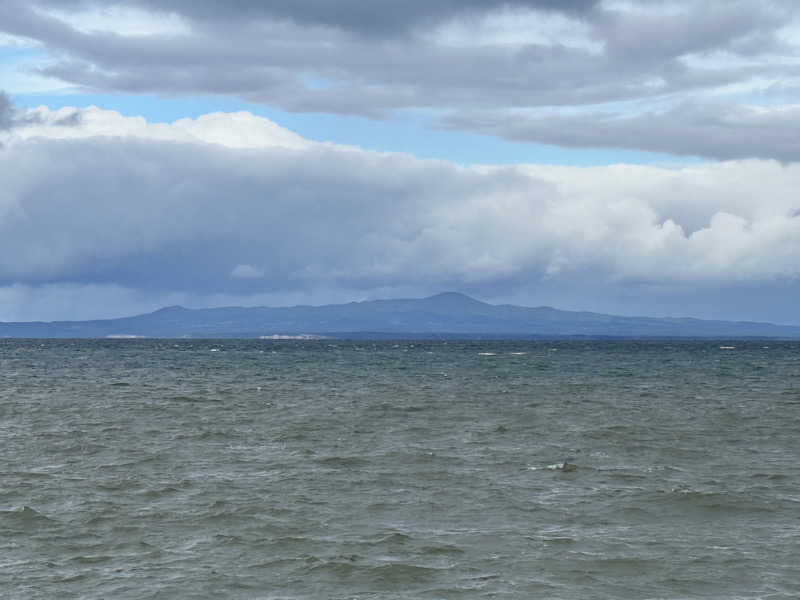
x=444 y=315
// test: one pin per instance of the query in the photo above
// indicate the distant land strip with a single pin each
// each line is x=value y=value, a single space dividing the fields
x=449 y=315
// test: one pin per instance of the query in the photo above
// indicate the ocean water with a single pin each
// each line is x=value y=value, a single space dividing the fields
x=365 y=470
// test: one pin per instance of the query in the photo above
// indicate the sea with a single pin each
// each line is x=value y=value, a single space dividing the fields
x=331 y=469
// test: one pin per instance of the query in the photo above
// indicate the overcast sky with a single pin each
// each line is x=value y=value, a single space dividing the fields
x=628 y=157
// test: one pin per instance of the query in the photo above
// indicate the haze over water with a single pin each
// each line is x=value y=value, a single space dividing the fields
x=372 y=470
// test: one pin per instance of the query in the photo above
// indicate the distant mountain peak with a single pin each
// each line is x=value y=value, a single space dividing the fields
x=453 y=298
x=170 y=309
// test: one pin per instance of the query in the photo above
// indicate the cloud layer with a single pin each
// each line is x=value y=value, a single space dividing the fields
x=204 y=209
x=719 y=131
x=681 y=76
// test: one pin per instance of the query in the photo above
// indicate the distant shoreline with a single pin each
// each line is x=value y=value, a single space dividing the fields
x=449 y=315
x=390 y=337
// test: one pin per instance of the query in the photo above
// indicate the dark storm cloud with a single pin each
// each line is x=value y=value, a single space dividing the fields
x=372 y=58
x=170 y=216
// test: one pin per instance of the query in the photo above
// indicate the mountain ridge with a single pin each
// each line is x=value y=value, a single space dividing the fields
x=442 y=315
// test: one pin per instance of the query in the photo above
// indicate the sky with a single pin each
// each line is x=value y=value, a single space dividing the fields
x=622 y=156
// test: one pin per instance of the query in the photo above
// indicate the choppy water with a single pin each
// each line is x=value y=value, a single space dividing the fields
x=318 y=469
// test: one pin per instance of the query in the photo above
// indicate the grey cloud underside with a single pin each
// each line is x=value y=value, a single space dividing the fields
x=161 y=218
x=10 y=117
x=372 y=58
x=6 y=112
x=169 y=215
x=714 y=130
x=175 y=216
x=367 y=17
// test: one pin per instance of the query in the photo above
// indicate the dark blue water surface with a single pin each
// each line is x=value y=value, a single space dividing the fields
x=331 y=469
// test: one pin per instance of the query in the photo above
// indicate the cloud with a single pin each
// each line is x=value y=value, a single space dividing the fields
x=6 y=112
x=231 y=130
x=376 y=17
x=247 y=272
x=73 y=301
x=163 y=213
x=12 y=118
x=452 y=57
x=86 y=301
x=718 y=131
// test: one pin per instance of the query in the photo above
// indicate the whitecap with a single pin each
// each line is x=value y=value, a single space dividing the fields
x=553 y=467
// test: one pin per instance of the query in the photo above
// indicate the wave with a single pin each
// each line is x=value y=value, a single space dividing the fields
x=26 y=518
x=388 y=576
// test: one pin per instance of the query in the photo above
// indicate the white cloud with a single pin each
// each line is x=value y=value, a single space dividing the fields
x=517 y=27
x=232 y=130
x=247 y=272
x=120 y=20
x=16 y=42
x=166 y=210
